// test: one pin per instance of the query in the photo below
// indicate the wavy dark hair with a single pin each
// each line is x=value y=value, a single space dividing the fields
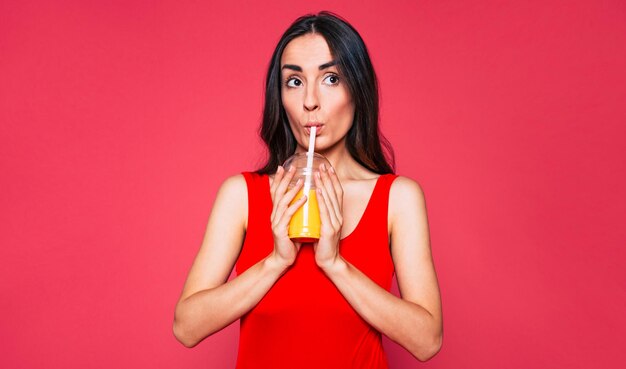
x=364 y=140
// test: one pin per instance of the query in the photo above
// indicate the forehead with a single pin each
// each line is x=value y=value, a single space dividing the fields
x=308 y=51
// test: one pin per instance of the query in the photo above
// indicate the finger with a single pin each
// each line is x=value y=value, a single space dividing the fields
x=337 y=185
x=332 y=215
x=284 y=183
x=330 y=190
x=283 y=203
x=283 y=222
x=291 y=210
x=280 y=184
x=280 y=172
x=324 y=215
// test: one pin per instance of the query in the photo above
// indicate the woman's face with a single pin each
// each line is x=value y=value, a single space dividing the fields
x=314 y=93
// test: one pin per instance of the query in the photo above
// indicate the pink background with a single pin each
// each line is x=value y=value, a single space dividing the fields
x=118 y=122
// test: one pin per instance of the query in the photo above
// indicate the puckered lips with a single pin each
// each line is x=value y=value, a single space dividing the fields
x=320 y=127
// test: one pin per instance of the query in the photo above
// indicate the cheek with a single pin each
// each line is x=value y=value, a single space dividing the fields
x=289 y=102
x=344 y=107
x=341 y=101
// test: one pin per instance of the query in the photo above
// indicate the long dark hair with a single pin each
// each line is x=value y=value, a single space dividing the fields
x=364 y=140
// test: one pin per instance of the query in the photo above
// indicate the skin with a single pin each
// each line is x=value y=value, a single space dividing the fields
x=209 y=302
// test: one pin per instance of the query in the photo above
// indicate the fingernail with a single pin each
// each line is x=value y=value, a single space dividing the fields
x=332 y=170
x=323 y=167
x=317 y=174
x=292 y=168
x=280 y=168
x=298 y=181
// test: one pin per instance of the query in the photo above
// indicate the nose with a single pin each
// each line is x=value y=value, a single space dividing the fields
x=311 y=100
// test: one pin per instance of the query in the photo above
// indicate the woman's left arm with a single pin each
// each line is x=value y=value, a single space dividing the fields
x=415 y=320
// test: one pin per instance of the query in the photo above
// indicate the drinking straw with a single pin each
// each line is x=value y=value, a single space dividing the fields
x=309 y=159
x=309 y=172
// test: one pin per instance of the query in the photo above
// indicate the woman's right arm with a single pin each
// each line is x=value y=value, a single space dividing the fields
x=208 y=302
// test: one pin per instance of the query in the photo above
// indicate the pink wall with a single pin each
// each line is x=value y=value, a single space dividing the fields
x=118 y=122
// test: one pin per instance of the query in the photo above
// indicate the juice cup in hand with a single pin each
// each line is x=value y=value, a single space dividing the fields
x=305 y=224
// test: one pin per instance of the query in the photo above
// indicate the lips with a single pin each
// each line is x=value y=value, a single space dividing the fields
x=308 y=126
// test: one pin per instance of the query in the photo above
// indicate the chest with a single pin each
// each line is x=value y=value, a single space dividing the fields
x=356 y=198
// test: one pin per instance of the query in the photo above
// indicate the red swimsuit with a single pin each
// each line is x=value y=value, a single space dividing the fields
x=304 y=321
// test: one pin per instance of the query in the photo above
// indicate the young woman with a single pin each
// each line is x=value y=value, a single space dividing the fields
x=324 y=304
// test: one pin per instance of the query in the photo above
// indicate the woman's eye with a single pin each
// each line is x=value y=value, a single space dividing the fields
x=293 y=82
x=332 y=79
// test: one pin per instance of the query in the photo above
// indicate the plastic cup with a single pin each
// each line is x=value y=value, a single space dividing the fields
x=305 y=224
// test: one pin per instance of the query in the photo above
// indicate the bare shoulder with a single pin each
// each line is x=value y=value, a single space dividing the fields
x=406 y=184
x=407 y=207
x=234 y=190
x=405 y=192
x=232 y=197
x=234 y=185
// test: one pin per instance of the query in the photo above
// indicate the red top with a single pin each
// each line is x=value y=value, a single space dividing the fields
x=304 y=321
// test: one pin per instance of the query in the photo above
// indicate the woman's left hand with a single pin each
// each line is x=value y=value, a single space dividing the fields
x=330 y=202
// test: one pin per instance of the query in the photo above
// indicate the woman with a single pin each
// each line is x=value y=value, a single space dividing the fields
x=320 y=305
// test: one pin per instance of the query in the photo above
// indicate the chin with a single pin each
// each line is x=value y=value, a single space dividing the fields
x=325 y=146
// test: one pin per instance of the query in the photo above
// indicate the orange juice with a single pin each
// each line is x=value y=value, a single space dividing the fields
x=305 y=223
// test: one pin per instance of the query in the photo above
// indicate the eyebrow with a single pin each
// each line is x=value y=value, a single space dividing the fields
x=297 y=68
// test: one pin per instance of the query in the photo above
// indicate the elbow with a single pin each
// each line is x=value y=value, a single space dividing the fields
x=426 y=351
x=182 y=334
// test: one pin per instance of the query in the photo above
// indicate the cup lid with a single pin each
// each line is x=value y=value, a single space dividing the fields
x=300 y=161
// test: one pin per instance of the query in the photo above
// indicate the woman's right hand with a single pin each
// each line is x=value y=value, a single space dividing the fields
x=285 y=250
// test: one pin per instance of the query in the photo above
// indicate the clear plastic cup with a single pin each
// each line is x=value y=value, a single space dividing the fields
x=305 y=224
